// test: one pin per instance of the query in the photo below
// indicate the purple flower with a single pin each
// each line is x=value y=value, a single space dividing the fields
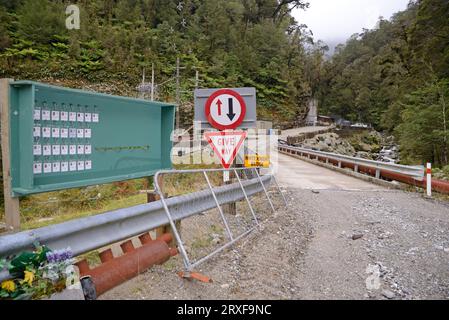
x=64 y=255
x=50 y=257
x=60 y=255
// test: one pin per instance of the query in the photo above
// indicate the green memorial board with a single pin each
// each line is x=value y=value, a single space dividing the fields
x=65 y=138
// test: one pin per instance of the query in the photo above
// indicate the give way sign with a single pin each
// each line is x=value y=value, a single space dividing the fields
x=225 y=109
x=226 y=144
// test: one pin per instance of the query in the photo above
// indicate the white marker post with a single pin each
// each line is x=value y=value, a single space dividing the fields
x=429 y=179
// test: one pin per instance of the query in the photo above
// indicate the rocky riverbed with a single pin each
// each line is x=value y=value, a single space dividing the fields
x=370 y=145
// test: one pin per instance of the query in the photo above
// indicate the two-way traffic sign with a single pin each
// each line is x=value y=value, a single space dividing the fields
x=225 y=109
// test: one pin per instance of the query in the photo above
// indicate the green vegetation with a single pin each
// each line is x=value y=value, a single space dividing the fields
x=366 y=142
x=396 y=77
x=54 y=207
x=441 y=173
x=205 y=239
x=38 y=274
x=230 y=43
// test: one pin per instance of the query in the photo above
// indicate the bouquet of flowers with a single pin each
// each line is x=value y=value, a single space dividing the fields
x=37 y=274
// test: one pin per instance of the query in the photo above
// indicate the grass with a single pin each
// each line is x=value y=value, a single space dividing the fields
x=32 y=223
x=205 y=240
x=93 y=258
x=170 y=265
x=202 y=242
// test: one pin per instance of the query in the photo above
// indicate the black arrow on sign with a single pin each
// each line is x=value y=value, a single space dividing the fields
x=231 y=113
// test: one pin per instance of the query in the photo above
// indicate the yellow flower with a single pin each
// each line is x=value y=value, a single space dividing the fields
x=9 y=285
x=29 y=277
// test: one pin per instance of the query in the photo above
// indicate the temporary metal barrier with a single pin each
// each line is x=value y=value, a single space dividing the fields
x=90 y=233
x=188 y=263
x=357 y=164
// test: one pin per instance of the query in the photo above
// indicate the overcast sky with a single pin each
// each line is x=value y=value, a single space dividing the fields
x=334 y=21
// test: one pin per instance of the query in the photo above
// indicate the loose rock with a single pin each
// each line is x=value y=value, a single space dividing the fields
x=388 y=294
x=357 y=236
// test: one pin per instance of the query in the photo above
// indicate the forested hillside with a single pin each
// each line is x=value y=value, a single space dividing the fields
x=396 y=77
x=230 y=42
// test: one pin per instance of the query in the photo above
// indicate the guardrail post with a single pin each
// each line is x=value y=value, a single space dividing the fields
x=356 y=168
x=377 y=174
x=152 y=196
x=429 y=179
x=229 y=208
x=339 y=164
x=327 y=160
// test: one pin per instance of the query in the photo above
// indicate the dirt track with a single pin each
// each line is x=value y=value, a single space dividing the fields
x=307 y=251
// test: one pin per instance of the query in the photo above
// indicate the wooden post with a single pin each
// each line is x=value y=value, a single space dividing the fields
x=12 y=208
x=229 y=208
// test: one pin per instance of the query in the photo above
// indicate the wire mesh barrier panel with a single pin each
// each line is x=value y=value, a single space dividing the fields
x=214 y=229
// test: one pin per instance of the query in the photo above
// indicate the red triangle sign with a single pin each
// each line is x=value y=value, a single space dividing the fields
x=226 y=144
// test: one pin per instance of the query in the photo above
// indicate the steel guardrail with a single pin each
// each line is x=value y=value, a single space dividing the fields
x=417 y=172
x=90 y=233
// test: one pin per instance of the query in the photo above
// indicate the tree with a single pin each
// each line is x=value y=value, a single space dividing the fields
x=285 y=7
x=423 y=133
x=40 y=20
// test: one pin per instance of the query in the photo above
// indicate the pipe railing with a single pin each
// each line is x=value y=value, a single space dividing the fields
x=358 y=164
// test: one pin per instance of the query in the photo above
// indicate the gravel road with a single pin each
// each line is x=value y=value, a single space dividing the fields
x=340 y=239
